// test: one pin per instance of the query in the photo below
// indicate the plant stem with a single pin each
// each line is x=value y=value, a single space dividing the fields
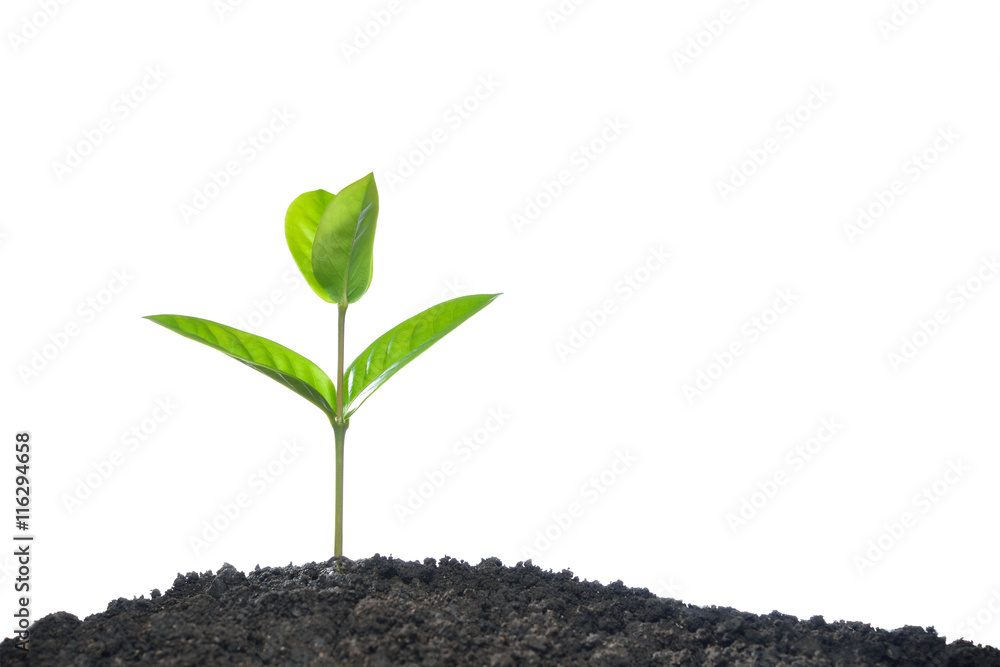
x=339 y=431
x=341 y=316
x=338 y=534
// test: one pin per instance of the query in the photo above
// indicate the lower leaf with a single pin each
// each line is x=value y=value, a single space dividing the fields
x=273 y=360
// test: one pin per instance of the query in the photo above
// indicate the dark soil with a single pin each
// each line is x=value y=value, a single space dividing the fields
x=381 y=611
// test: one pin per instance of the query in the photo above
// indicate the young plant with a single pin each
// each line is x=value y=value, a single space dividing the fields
x=331 y=238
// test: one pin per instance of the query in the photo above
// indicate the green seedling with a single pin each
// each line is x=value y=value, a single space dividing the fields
x=331 y=238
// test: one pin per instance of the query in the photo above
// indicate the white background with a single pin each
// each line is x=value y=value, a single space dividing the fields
x=890 y=84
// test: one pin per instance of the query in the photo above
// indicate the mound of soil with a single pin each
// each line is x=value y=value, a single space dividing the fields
x=382 y=611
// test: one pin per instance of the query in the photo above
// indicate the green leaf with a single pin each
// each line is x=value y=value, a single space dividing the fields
x=273 y=360
x=301 y=220
x=403 y=343
x=342 y=249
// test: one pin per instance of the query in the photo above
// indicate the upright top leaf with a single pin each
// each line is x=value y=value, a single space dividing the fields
x=342 y=248
x=301 y=220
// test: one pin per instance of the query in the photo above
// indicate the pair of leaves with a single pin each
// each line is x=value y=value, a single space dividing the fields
x=380 y=361
x=331 y=238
